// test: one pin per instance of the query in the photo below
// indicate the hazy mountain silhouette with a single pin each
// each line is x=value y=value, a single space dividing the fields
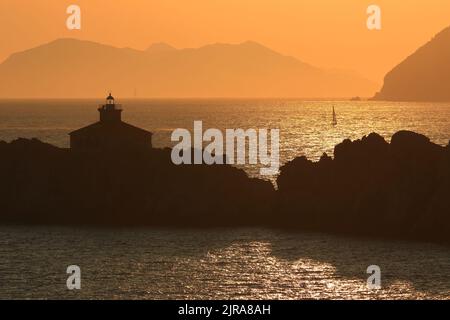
x=74 y=68
x=160 y=47
x=423 y=76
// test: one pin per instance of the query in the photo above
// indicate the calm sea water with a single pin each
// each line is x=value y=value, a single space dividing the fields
x=215 y=264
x=236 y=264
x=305 y=126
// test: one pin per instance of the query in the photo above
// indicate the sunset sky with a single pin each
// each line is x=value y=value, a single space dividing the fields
x=325 y=33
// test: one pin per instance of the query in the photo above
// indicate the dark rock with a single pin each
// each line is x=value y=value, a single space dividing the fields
x=371 y=187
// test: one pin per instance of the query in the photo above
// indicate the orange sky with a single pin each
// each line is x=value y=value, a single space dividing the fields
x=325 y=33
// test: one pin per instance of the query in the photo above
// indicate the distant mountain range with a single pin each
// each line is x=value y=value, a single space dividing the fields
x=69 y=68
x=423 y=76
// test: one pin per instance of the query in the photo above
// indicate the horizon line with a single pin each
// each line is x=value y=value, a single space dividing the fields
x=192 y=98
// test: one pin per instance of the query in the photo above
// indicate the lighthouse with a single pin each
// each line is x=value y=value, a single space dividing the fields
x=110 y=111
x=110 y=133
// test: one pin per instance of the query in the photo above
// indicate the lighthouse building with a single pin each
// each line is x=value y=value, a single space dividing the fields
x=110 y=133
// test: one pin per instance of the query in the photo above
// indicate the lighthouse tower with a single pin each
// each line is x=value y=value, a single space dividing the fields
x=110 y=133
x=110 y=111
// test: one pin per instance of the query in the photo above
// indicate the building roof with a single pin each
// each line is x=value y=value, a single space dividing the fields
x=114 y=126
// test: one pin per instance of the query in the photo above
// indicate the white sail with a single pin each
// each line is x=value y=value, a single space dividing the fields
x=334 y=118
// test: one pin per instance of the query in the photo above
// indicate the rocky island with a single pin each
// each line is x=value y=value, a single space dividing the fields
x=369 y=188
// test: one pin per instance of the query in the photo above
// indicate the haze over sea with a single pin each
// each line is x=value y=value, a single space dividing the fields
x=220 y=263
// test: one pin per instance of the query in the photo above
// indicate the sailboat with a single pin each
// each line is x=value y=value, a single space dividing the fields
x=334 y=118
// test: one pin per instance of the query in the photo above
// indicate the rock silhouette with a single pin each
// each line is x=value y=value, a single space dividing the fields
x=48 y=185
x=370 y=188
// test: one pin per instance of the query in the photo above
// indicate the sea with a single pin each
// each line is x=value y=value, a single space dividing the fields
x=222 y=263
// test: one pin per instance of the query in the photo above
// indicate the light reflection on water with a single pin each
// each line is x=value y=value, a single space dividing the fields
x=256 y=264
x=215 y=264
x=305 y=126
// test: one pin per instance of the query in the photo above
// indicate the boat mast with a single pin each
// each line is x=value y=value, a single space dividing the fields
x=334 y=118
